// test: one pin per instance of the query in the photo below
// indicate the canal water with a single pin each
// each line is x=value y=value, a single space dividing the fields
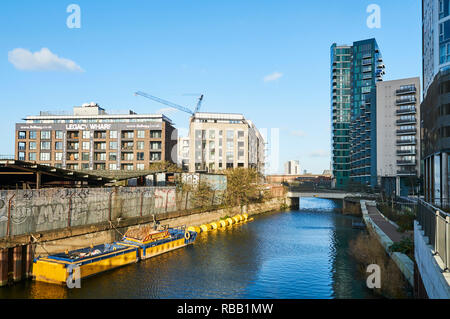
x=284 y=255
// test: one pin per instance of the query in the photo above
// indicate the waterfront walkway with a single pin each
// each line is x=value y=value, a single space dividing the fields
x=388 y=228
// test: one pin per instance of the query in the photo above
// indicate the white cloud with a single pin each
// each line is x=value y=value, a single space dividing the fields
x=319 y=153
x=273 y=77
x=43 y=60
x=298 y=133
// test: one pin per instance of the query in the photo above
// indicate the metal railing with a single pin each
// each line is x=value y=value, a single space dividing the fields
x=436 y=226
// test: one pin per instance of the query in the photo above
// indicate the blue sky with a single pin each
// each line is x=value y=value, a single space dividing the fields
x=223 y=49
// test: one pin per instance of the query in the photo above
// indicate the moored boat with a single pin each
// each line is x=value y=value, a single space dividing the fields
x=139 y=243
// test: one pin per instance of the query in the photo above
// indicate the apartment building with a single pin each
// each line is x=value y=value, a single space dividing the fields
x=91 y=139
x=398 y=135
x=292 y=168
x=219 y=141
x=355 y=70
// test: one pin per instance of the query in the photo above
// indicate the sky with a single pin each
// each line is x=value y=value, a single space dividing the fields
x=269 y=60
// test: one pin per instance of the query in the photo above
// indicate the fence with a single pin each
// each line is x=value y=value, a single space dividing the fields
x=436 y=226
x=31 y=211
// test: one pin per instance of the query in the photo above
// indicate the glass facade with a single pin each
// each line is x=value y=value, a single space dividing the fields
x=355 y=71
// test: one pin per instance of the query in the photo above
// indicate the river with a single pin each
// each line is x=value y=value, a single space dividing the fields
x=284 y=255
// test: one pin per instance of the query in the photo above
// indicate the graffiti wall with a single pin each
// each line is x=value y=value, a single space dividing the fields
x=33 y=211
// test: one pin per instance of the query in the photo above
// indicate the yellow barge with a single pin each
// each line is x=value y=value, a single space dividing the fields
x=134 y=246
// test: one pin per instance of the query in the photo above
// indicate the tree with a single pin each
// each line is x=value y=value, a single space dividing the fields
x=242 y=187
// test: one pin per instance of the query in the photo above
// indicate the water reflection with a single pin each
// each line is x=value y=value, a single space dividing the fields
x=295 y=254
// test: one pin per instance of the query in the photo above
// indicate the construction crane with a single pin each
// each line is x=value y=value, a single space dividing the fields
x=175 y=106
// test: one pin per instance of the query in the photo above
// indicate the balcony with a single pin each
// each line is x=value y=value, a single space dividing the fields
x=412 y=141
x=409 y=90
x=407 y=111
x=406 y=121
x=406 y=163
x=406 y=152
x=406 y=132
x=406 y=101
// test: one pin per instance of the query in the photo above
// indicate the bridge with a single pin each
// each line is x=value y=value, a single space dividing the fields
x=295 y=193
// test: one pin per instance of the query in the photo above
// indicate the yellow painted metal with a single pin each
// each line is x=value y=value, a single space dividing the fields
x=223 y=223
x=230 y=221
x=240 y=217
x=205 y=228
x=245 y=216
x=53 y=271
x=236 y=220
x=214 y=225
x=191 y=229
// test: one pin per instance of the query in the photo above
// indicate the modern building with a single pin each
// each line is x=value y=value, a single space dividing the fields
x=218 y=141
x=435 y=114
x=436 y=39
x=355 y=70
x=292 y=168
x=398 y=135
x=183 y=153
x=435 y=108
x=341 y=92
x=92 y=139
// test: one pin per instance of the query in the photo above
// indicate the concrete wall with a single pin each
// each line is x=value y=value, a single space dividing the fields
x=436 y=282
x=33 y=211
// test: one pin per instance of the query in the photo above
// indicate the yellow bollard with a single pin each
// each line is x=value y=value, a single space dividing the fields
x=236 y=220
x=240 y=218
x=214 y=225
x=245 y=216
x=223 y=223
x=204 y=228
x=230 y=221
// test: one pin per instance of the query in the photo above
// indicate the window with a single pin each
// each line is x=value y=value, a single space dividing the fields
x=58 y=156
x=113 y=134
x=84 y=166
x=59 y=135
x=22 y=146
x=141 y=134
x=212 y=134
x=45 y=156
x=240 y=135
x=86 y=135
x=45 y=135
x=86 y=146
x=155 y=145
x=32 y=156
x=113 y=145
x=100 y=156
x=45 y=145
x=155 y=156
x=140 y=167
x=140 y=145
x=58 y=146
x=113 y=166
x=230 y=135
x=22 y=135
x=73 y=156
x=113 y=156
x=140 y=156
x=128 y=156
x=155 y=134
x=21 y=156
x=85 y=156
x=33 y=135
